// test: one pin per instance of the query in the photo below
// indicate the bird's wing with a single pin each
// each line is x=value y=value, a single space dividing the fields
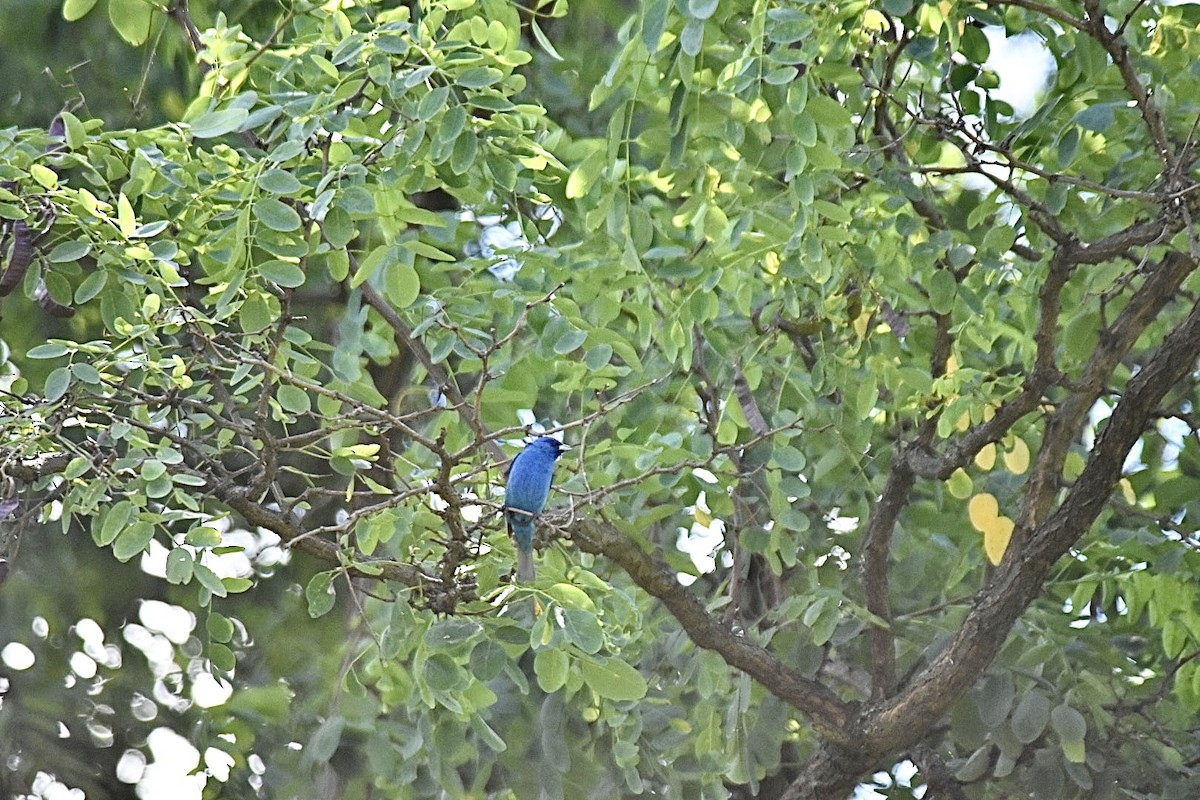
x=512 y=461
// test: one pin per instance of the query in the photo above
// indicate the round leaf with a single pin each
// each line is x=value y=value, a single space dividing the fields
x=613 y=679
x=1030 y=717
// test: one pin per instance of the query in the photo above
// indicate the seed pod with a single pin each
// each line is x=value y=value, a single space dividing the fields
x=20 y=257
x=49 y=304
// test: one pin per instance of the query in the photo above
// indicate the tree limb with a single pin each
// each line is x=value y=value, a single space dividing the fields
x=893 y=724
x=828 y=713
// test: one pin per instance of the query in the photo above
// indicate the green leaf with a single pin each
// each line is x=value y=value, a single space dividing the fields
x=790 y=459
x=1081 y=335
x=131 y=19
x=960 y=484
x=1074 y=752
x=419 y=216
x=540 y=37
x=583 y=177
x=282 y=273
x=257 y=313
x=324 y=742
x=69 y=251
x=403 y=284
x=442 y=673
x=571 y=596
x=85 y=372
x=1000 y=238
x=112 y=523
x=209 y=580
x=179 y=566
x=974 y=42
x=996 y=698
x=57 y=383
x=133 y=540
x=218 y=123
x=48 y=350
x=320 y=594
x=222 y=657
x=203 y=536
x=149 y=229
x=278 y=181
x=236 y=585
x=76 y=9
x=977 y=765
x=1071 y=728
x=598 y=356
x=75 y=133
x=92 y=285
x=583 y=630
x=691 y=40
x=427 y=250
x=432 y=103
x=276 y=215
x=654 y=22
x=489 y=737
x=79 y=465
x=569 y=341
x=613 y=679
x=487 y=660
x=381 y=255
x=1030 y=717
x=551 y=666
x=1068 y=144
x=293 y=399
x=462 y=157
x=479 y=77
x=942 y=290
x=450 y=633
x=1098 y=117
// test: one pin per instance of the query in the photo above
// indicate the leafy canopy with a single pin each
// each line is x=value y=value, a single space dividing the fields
x=794 y=281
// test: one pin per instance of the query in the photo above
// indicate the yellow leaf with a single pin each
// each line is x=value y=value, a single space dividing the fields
x=996 y=539
x=860 y=324
x=983 y=511
x=874 y=20
x=44 y=175
x=951 y=365
x=126 y=220
x=1016 y=460
x=1127 y=491
x=964 y=421
x=985 y=459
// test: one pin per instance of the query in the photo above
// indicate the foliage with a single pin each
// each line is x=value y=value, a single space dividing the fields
x=791 y=277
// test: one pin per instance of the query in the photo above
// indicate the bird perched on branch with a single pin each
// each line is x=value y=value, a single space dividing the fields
x=529 y=478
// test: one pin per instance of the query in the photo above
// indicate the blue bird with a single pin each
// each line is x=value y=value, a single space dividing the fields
x=529 y=478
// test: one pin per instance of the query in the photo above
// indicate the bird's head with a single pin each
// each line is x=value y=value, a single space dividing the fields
x=550 y=446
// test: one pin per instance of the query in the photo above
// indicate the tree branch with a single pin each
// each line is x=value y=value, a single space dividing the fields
x=439 y=376
x=897 y=722
x=1115 y=342
x=875 y=549
x=290 y=532
x=1119 y=53
x=828 y=713
x=1045 y=10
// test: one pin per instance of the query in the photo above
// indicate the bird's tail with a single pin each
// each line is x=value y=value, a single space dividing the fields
x=525 y=569
x=520 y=527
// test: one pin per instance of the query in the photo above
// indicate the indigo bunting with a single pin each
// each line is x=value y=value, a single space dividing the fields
x=529 y=478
